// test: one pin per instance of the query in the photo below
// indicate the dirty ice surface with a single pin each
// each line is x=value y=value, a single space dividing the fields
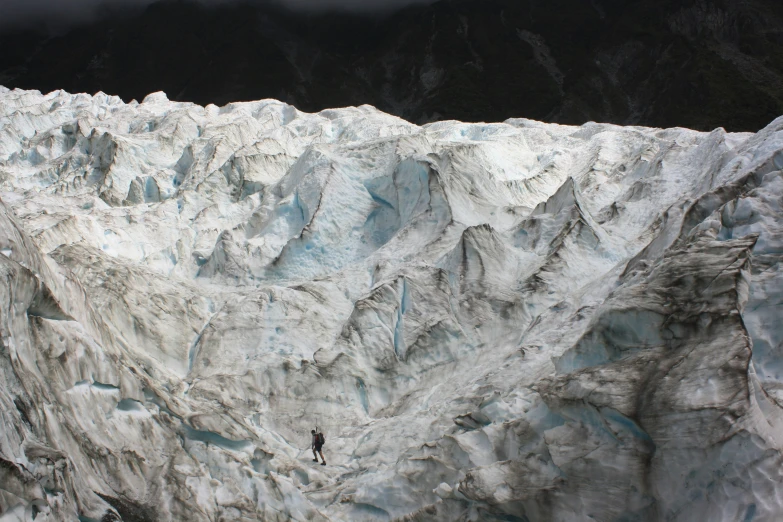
x=513 y=321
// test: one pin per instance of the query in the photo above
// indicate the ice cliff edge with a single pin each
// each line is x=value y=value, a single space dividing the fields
x=511 y=321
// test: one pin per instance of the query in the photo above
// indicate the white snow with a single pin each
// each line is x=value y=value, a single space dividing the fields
x=507 y=321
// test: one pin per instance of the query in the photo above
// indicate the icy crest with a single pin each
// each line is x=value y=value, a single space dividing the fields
x=513 y=321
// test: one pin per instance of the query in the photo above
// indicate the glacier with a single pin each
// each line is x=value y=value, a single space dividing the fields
x=514 y=321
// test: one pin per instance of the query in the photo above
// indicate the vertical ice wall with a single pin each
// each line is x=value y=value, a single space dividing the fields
x=513 y=321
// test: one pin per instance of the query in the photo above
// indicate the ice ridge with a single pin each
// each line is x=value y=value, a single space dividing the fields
x=508 y=321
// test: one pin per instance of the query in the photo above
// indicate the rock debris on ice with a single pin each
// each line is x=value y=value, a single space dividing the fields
x=513 y=321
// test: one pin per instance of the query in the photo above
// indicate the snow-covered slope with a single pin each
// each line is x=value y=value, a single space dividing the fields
x=512 y=321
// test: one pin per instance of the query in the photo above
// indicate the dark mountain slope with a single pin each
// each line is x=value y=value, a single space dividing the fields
x=699 y=64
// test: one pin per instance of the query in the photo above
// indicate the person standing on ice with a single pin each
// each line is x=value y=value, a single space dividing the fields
x=318 y=443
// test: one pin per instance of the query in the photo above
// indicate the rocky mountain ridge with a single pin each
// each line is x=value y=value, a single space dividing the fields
x=699 y=64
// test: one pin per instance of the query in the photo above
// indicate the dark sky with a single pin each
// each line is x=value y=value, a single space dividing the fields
x=59 y=14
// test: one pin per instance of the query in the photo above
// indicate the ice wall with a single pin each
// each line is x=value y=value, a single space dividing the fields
x=512 y=321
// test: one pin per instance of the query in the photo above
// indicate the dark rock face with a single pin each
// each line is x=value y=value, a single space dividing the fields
x=697 y=64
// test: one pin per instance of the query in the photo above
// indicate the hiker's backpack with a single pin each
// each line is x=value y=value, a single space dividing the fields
x=319 y=438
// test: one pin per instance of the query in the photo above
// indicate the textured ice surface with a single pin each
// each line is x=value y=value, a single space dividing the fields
x=511 y=321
